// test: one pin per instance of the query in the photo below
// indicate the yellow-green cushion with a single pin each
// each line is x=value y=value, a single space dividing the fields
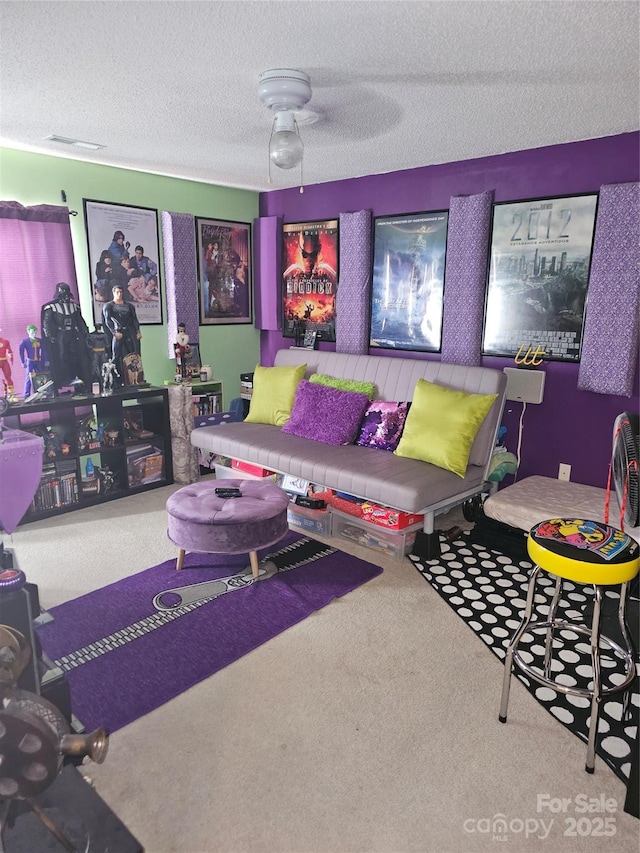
x=442 y=424
x=367 y=388
x=274 y=390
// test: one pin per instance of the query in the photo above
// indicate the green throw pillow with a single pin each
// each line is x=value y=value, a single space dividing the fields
x=442 y=424
x=274 y=390
x=367 y=388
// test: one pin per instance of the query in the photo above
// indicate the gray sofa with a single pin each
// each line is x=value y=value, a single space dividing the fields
x=376 y=475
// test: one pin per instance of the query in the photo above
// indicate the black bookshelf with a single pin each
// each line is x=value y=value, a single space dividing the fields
x=97 y=448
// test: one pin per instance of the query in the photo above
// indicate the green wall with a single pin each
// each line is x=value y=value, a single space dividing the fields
x=39 y=178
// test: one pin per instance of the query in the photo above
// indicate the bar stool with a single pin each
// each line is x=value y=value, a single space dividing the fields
x=585 y=552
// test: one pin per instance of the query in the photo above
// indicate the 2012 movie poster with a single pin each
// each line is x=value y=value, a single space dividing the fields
x=310 y=279
x=538 y=277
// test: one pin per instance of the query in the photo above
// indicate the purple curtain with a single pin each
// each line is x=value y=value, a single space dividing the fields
x=610 y=338
x=37 y=253
x=465 y=279
x=181 y=275
x=352 y=300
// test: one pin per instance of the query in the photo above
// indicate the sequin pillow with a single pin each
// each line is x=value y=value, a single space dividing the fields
x=382 y=425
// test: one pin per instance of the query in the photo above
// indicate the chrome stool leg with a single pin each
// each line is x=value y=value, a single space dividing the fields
x=596 y=697
x=622 y=621
x=508 y=661
x=553 y=607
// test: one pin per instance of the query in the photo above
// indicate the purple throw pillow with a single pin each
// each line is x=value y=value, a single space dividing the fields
x=382 y=425
x=326 y=414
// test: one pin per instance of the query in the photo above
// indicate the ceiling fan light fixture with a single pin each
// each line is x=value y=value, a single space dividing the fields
x=285 y=146
x=284 y=92
x=284 y=89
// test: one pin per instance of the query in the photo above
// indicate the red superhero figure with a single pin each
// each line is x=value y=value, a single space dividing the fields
x=6 y=362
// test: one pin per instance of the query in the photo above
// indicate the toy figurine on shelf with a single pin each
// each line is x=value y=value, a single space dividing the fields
x=99 y=348
x=182 y=350
x=122 y=327
x=66 y=334
x=298 y=331
x=33 y=357
x=107 y=478
x=109 y=373
x=6 y=363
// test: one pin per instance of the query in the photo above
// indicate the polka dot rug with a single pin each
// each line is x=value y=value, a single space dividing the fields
x=488 y=591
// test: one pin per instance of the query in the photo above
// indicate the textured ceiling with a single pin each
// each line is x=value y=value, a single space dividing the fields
x=171 y=87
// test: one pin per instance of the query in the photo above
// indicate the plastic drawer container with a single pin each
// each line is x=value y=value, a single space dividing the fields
x=309 y=520
x=393 y=543
x=224 y=473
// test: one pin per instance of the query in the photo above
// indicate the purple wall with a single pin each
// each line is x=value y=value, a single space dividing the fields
x=569 y=425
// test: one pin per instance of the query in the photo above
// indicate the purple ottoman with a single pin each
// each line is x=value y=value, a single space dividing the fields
x=199 y=520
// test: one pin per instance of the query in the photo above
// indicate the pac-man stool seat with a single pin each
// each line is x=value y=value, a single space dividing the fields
x=585 y=552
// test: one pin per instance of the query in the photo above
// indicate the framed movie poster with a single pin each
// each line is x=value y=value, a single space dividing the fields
x=408 y=281
x=538 y=276
x=310 y=279
x=124 y=249
x=224 y=266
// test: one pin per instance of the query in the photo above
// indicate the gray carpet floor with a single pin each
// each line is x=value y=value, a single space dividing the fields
x=370 y=726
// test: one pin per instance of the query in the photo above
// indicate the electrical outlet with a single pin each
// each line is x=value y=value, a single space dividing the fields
x=564 y=472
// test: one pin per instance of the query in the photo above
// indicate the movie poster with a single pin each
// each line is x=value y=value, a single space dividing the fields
x=124 y=250
x=310 y=279
x=538 y=277
x=408 y=281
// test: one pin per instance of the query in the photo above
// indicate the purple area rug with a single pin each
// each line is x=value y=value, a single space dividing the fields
x=135 y=644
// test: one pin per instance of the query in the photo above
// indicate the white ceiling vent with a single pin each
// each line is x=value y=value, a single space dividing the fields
x=77 y=143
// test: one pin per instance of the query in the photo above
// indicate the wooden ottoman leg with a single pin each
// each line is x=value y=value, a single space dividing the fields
x=253 y=556
x=180 y=560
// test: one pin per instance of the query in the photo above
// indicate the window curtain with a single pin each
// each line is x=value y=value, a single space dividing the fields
x=36 y=253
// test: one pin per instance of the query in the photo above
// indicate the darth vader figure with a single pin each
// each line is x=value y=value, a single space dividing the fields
x=67 y=338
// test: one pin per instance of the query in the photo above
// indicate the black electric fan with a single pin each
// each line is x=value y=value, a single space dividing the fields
x=624 y=466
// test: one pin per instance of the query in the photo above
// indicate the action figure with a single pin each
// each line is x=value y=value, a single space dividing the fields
x=99 y=347
x=121 y=323
x=133 y=372
x=67 y=338
x=109 y=374
x=298 y=331
x=33 y=357
x=182 y=350
x=6 y=362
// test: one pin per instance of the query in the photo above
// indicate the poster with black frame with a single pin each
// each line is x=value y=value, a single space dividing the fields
x=224 y=267
x=407 y=288
x=538 y=277
x=310 y=278
x=124 y=248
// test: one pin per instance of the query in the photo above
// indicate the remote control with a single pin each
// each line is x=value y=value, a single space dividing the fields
x=228 y=493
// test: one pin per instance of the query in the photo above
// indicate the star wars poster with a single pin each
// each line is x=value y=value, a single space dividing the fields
x=538 y=277
x=310 y=279
x=408 y=281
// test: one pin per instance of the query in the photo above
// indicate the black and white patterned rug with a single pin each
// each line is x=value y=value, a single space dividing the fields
x=488 y=591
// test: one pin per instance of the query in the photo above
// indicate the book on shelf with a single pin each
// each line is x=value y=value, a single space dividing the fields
x=58 y=487
x=209 y=403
